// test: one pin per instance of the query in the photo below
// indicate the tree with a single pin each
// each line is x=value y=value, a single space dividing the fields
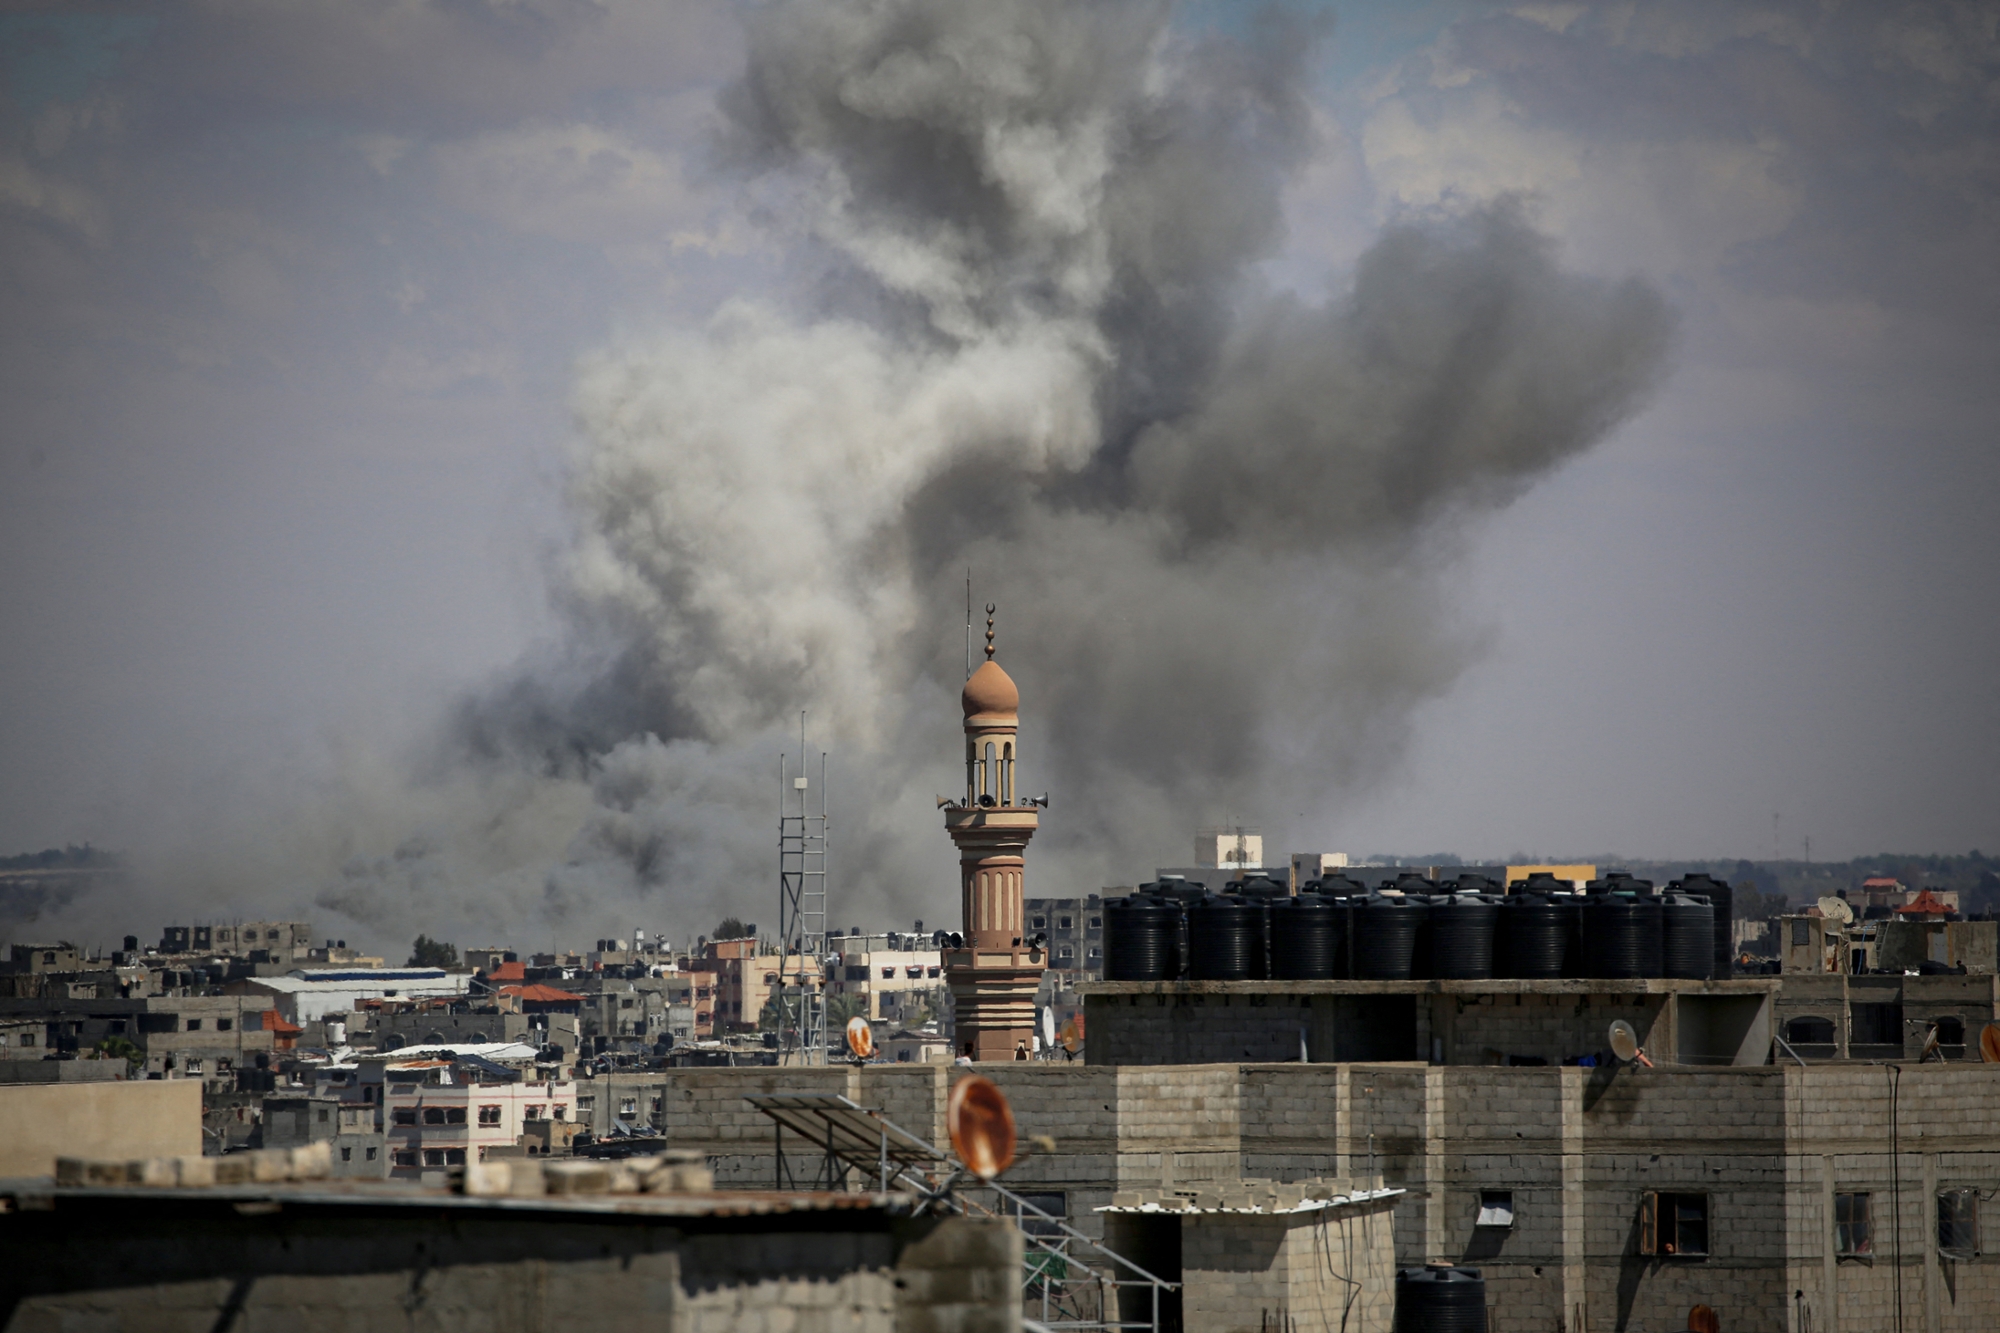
x=731 y=929
x=840 y=1008
x=119 y=1048
x=427 y=952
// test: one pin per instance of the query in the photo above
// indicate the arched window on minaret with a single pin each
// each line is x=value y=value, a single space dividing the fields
x=971 y=771
x=989 y=774
x=1007 y=773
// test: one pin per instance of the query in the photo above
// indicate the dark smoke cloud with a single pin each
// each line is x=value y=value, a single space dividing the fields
x=1217 y=518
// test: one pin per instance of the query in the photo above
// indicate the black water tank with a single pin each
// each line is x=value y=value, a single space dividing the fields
x=1340 y=886
x=1384 y=930
x=1226 y=939
x=1260 y=886
x=1473 y=884
x=1462 y=927
x=1687 y=937
x=1721 y=901
x=1539 y=934
x=1177 y=887
x=1308 y=939
x=1440 y=1300
x=1142 y=939
x=1621 y=935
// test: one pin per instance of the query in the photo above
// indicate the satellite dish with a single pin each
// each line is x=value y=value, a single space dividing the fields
x=1625 y=1043
x=1836 y=909
x=1048 y=1027
x=981 y=1125
x=1071 y=1038
x=1989 y=1043
x=860 y=1037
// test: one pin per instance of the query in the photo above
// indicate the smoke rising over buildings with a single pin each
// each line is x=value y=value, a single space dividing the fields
x=1217 y=518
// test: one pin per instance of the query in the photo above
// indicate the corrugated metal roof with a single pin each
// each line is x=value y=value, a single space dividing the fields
x=540 y=994
x=1188 y=1207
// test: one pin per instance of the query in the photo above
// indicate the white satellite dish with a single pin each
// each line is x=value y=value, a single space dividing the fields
x=1836 y=909
x=1625 y=1043
x=1048 y=1027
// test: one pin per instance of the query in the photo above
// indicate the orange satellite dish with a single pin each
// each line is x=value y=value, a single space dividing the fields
x=1989 y=1043
x=981 y=1125
x=1069 y=1036
x=860 y=1037
x=1703 y=1319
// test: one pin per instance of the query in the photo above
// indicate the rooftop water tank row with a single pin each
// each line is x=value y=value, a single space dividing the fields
x=1619 y=927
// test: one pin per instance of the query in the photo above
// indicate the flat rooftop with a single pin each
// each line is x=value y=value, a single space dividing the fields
x=38 y=1194
x=1765 y=985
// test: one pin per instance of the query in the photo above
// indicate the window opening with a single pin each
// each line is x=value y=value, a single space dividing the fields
x=1851 y=1232
x=1496 y=1209
x=1958 y=1223
x=1674 y=1225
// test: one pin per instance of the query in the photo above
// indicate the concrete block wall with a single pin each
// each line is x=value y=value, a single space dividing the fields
x=1078 y=1107
x=1506 y=1133
x=1290 y=1120
x=1234 y=1272
x=1485 y=1029
x=963 y=1276
x=1577 y=1148
x=179 y=1261
x=1197 y=1029
x=1387 y=1137
x=705 y=1111
x=1341 y=1271
x=1942 y=1127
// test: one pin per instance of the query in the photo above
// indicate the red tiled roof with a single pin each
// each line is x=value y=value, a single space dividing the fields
x=504 y=972
x=541 y=994
x=1881 y=882
x=1924 y=904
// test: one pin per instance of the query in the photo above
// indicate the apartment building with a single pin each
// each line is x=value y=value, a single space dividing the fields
x=1075 y=930
x=358 y=1147
x=897 y=978
x=440 y=1111
x=740 y=976
x=182 y=1036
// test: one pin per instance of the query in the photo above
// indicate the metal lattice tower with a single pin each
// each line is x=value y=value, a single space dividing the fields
x=801 y=911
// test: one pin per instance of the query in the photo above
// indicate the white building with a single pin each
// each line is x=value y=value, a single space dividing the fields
x=1229 y=849
x=303 y=996
x=893 y=980
x=439 y=1112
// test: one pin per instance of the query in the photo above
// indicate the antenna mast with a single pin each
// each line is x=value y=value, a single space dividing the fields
x=968 y=622
x=801 y=912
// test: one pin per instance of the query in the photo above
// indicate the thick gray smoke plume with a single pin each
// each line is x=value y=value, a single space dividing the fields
x=1215 y=518
x=1032 y=341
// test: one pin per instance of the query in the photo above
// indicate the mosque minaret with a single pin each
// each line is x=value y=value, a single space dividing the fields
x=993 y=979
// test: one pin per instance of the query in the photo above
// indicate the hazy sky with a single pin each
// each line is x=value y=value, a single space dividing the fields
x=315 y=315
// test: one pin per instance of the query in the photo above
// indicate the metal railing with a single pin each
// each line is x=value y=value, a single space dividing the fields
x=1074 y=1282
